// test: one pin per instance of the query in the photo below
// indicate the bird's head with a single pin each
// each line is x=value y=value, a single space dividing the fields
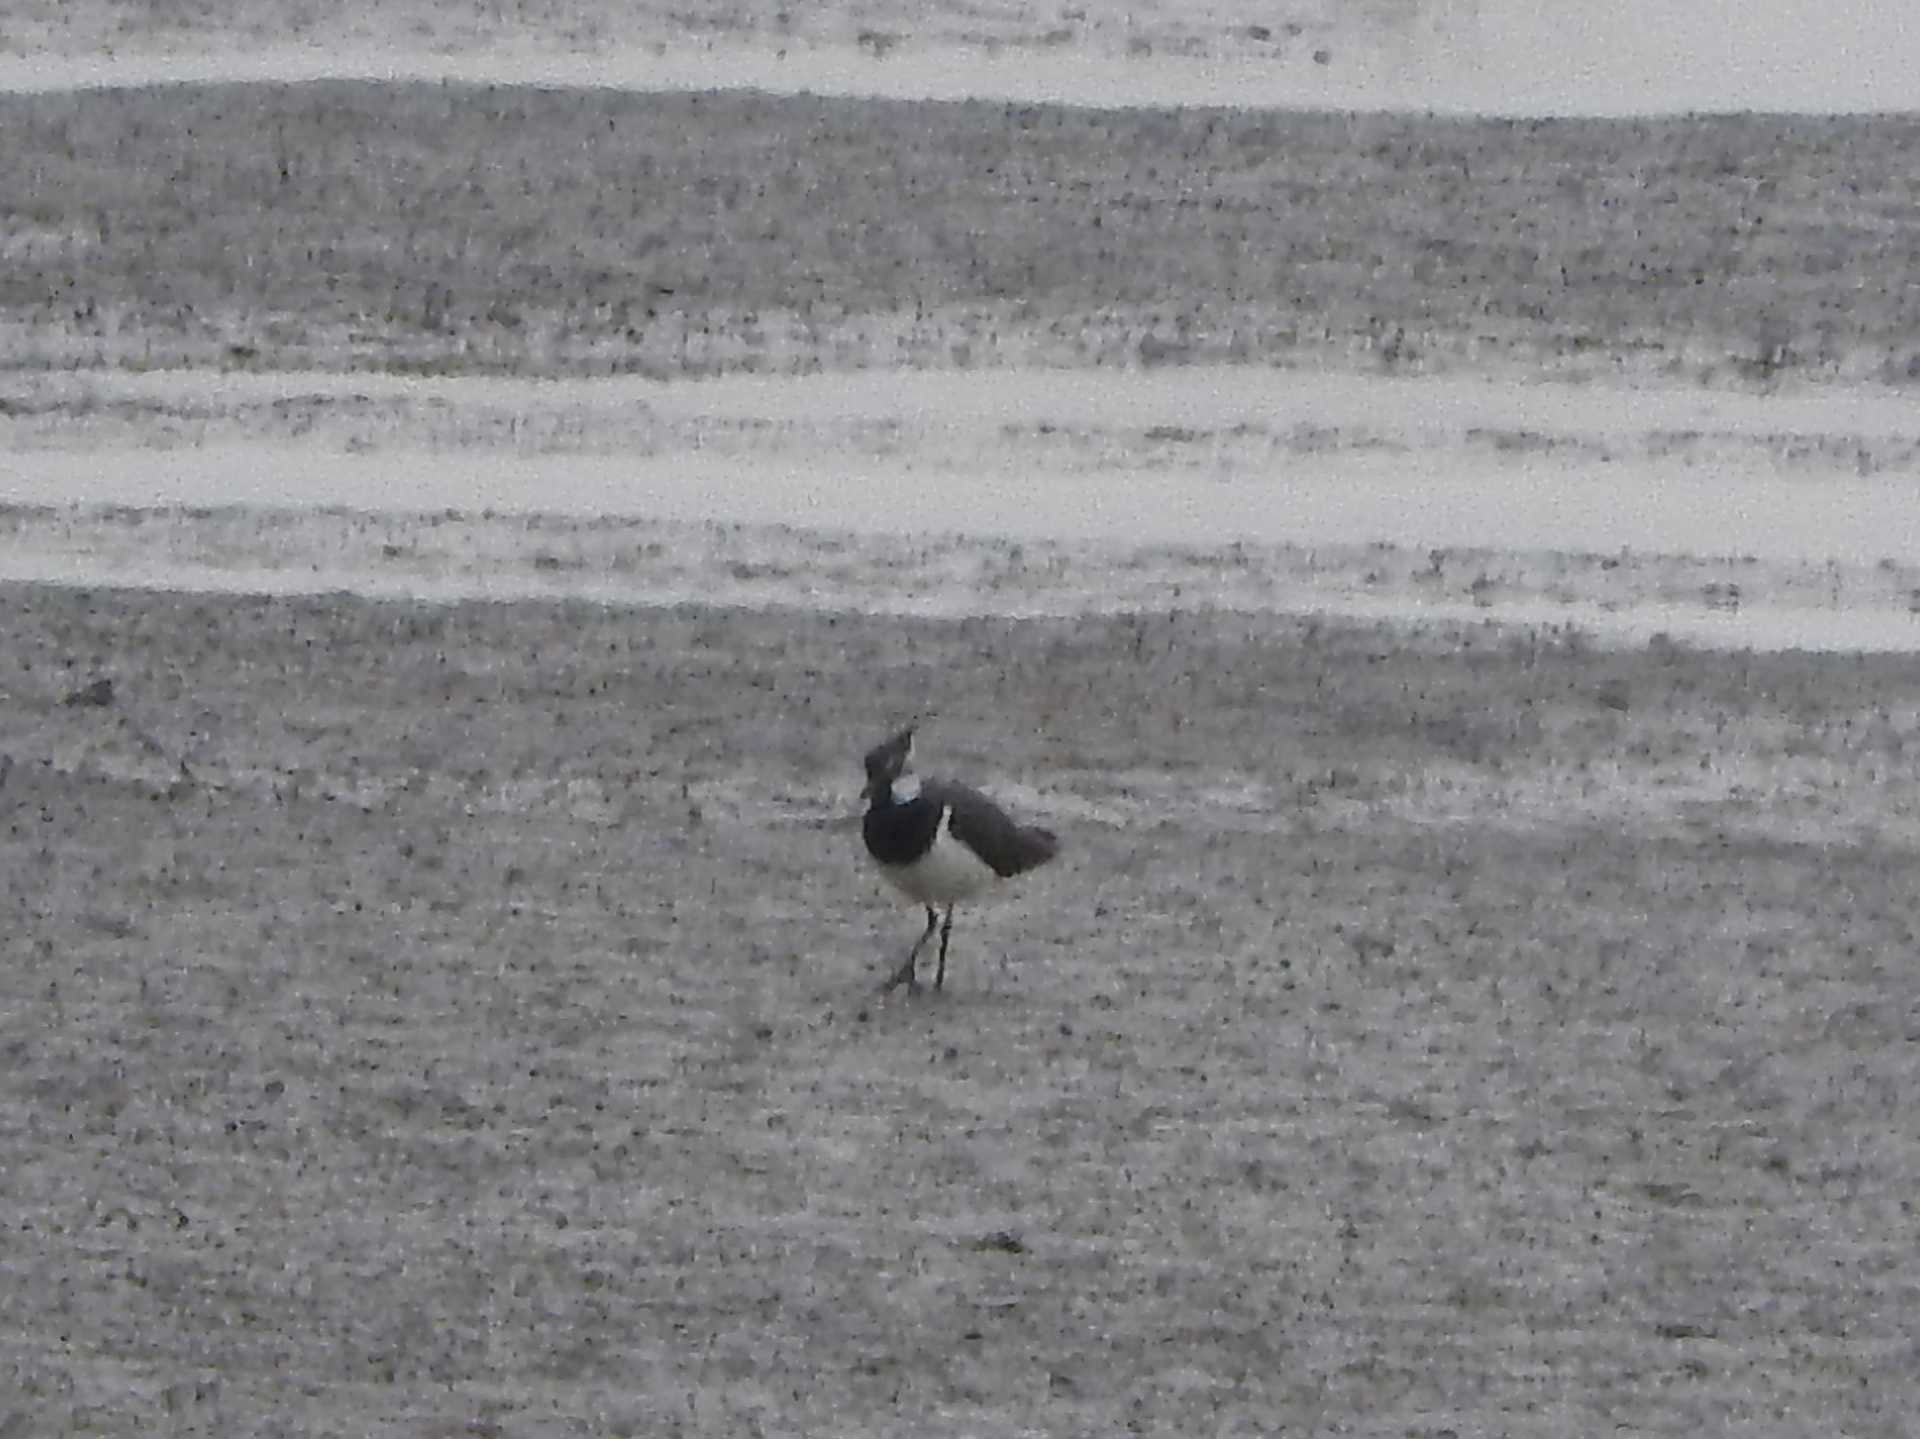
x=888 y=761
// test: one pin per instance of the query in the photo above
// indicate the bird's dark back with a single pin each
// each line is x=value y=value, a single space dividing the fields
x=1008 y=847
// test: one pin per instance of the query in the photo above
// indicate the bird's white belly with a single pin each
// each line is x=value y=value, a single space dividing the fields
x=944 y=874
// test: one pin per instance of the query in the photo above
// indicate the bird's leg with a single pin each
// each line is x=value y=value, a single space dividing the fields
x=904 y=974
x=946 y=932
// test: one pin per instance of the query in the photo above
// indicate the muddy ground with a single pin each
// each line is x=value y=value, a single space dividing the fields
x=460 y=229
x=459 y=1020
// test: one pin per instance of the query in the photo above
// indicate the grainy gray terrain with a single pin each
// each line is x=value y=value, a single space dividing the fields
x=456 y=229
x=459 y=1020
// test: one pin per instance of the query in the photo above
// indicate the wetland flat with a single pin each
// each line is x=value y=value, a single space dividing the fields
x=422 y=1017
x=1476 y=995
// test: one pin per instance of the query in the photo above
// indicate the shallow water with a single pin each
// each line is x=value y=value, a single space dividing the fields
x=459 y=553
x=1730 y=520
x=1497 y=57
x=1198 y=456
x=1412 y=500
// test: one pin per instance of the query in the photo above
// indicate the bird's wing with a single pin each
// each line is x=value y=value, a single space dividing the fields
x=1009 y=848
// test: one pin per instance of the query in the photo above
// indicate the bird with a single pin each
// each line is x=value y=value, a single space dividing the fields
x=942 y=845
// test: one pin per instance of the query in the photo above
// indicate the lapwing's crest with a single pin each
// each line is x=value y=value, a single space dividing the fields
x=939 y=846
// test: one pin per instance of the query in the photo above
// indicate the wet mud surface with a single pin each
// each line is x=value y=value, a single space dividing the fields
x=459 y=1018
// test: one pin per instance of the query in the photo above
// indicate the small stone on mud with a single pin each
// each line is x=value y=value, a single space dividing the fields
x=1367 y=945
x=97 y=695
x=1681 y=1329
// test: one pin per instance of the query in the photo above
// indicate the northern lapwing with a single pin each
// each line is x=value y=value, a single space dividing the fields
x=942 y=845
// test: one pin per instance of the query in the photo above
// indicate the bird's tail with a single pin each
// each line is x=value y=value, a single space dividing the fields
x=1037 y=846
